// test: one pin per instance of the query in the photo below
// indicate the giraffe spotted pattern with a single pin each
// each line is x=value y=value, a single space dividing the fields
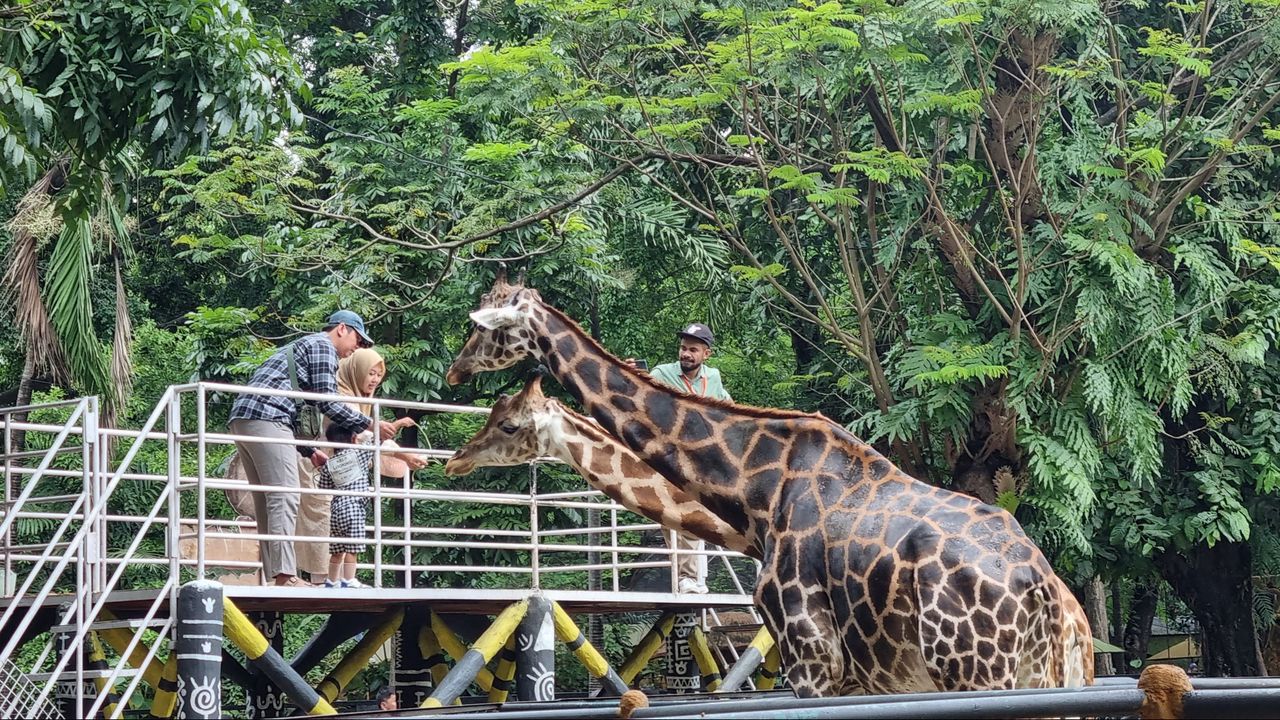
x=871 y=581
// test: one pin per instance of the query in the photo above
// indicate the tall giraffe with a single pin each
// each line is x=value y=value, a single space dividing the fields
x=530 y=425
x=871 y=581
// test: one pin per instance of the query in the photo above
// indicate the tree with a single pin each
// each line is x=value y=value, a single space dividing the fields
x=1023 y=231
x=88 y=92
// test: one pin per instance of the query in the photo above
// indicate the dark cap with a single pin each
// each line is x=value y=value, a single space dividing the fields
x=698 y=331
x=351 y=320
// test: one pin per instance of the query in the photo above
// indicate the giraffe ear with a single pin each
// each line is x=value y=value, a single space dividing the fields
x=497 y=318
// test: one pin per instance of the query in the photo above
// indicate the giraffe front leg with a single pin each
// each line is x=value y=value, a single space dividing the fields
x=807 y=637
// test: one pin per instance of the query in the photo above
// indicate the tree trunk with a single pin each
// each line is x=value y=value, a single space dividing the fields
x=1095 y=608
x=1137 y=631
x=1215 y=582
x=1117 y=627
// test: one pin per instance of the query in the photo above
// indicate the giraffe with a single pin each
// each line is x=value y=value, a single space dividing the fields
x=530 y=425
x=872 y=582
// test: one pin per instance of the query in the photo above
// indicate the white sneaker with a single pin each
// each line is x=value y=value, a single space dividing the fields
x=353 y=583
x=689 y=585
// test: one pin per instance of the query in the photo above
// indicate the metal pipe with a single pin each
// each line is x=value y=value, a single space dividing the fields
x=453 y=645
x=503 y=677
x=473 y=660
x=737 y=675
x=768 y=675
x=1240 y=703
x=356 y=660
x=241 y=632
x=568 y=632
x=648 y=645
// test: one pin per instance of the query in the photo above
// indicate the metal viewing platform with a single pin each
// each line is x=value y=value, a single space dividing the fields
x=105 y=531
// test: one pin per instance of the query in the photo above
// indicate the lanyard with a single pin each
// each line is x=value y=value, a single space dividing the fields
x=689 y=385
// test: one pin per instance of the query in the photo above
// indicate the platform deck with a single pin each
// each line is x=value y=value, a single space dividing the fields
x=254 y=598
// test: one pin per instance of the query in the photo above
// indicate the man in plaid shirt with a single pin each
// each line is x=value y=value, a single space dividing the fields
x=265 y=416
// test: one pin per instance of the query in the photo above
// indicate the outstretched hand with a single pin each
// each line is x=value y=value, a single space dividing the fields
x=318 y=458
x=386 y=430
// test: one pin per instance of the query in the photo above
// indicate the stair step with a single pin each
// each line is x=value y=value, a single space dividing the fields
x=131 y=624
x=70 y=674
x=747 y=627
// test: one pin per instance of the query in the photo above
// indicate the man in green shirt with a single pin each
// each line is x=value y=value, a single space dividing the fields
x=690 y=374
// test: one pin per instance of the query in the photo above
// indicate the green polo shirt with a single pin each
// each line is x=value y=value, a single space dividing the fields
x=707 y=383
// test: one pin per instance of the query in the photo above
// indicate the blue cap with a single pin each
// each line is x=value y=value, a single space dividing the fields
x=351 y=320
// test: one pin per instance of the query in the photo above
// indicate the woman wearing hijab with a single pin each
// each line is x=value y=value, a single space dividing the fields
x=359 y=375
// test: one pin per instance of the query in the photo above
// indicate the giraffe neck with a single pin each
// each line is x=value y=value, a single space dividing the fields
x=731 y=458
x=611 y=467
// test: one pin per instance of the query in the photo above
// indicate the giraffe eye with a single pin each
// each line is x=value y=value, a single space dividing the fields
x=509 y=428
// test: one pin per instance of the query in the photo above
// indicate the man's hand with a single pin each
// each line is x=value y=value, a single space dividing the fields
x=386 y=430
x=318 y=458
x=415 y=462
x=634 y=364
x=404 y=422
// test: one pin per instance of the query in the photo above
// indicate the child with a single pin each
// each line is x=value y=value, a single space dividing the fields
x=348 y=470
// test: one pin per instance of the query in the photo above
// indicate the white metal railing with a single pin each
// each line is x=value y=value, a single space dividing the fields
x=178 y=430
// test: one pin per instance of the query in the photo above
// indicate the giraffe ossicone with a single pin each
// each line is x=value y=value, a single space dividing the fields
x=871 y=581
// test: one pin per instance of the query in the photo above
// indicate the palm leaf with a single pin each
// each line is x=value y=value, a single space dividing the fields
x=66 y=292
x=28 y=226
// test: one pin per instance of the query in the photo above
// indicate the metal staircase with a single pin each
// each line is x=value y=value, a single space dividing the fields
x=66 y=558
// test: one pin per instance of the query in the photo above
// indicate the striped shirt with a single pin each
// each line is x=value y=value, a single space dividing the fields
x=317 y=364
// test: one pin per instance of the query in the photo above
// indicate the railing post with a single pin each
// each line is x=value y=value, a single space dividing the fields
x=172 y=427
x=535 y=652
x=198 y=646
x=377 y=494
x=536 y=581
x=6 y=580
x=201 y=469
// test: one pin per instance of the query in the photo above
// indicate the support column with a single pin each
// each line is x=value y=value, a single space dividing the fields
x=536 y=653
x=413 y=667
x=682 y=670
x=66 y=691
x=266 y=700
x=198 y=647
x=751 y=658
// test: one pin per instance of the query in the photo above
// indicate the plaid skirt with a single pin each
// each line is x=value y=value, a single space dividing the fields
x=347 y=520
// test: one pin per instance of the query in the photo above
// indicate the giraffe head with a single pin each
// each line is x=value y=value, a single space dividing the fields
x=501 y=337
x=511 y=436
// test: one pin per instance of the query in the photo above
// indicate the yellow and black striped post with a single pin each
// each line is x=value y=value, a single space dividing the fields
x=356 y=660
x=165 y=703
x=119 y=638
x=504 y=677
x=242 y=633
x=707 y=664
x=453 y=645
x=568 y=633
x=197 y=643
x=98 y=661
x=469 y=664
x=433 y=658
x=768 y=675
x=751 y=658
x=643 y=652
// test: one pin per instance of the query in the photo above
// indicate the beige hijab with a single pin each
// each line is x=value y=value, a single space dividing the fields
x=353 y=371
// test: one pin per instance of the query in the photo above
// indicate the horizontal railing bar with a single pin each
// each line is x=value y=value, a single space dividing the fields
x=353 y=399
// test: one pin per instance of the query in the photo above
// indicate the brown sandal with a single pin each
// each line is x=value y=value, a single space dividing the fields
x=295 y=582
